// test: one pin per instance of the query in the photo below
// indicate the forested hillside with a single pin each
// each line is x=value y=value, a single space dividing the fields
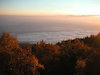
x=79 y=56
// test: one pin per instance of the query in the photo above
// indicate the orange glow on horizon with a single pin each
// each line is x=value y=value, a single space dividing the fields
x=54 y=12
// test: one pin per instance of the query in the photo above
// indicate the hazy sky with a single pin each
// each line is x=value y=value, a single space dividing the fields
x=49 y=7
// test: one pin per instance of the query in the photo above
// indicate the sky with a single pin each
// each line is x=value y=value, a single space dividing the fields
x=49 y=7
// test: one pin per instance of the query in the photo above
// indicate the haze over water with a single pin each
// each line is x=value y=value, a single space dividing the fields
x=49 y=28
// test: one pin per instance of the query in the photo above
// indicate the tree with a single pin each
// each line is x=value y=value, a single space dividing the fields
x=15 y=60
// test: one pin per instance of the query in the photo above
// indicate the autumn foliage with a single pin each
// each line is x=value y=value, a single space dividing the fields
x=15 y=60
x=70 y=57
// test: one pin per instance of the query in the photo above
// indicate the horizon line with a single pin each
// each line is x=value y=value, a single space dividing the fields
x=43 y=15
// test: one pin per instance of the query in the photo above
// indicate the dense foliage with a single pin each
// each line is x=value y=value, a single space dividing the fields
x=70 y=57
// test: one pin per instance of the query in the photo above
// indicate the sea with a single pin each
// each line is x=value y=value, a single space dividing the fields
x=52 y=29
